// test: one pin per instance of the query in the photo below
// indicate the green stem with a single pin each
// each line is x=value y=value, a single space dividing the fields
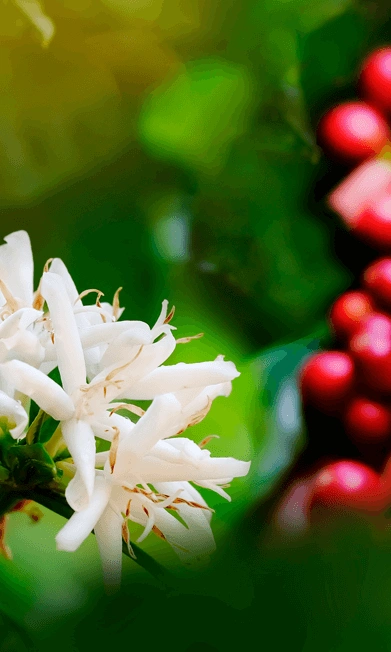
x=58 y=504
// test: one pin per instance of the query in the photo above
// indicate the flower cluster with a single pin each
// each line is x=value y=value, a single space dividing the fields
x=144 y=472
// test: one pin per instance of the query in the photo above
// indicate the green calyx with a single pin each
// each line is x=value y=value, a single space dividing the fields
x=30 y=463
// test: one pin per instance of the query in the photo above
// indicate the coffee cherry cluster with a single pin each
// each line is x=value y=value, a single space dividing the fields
x=352 y=384
x=357 y=133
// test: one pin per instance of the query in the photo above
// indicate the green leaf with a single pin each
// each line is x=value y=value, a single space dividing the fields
x=282 y=421
x=194 y=119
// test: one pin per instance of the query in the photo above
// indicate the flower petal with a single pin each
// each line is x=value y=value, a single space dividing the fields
x=179 y=377
x=66 y=336
x=15 y=413
x=43 y=390
x=194 y=540
x=81 y=524
x=133 y=364
x=108 y=531
x=17 y=267
x=155 y=469
x=160 y=420
x=59 y=268
x=107 y=333
x=80 y=440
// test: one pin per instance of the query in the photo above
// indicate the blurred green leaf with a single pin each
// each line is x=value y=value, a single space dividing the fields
x=275 y=370
x=13 y=637
x=194 y=119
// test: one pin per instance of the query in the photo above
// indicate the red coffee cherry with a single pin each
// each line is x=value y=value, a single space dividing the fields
x=348 y=484
x=375 y=78
x=327 y=380
x=348 y=311
x=371 y=349
x=353 y=132
x=367 y=421
x=377 y=280
x=373 y=225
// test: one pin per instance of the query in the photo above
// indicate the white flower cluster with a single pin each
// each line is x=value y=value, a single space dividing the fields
x=145 y=475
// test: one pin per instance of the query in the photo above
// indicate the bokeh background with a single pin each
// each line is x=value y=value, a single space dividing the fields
x=168 y=146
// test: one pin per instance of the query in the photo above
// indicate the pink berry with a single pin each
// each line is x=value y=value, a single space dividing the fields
x=373 y=225
x=353 y=132
x=348 y=484
x=377 y=280
x=375 y=78
x=371 y=349
x=367 y=420
x=327 y=380
x=348 y=311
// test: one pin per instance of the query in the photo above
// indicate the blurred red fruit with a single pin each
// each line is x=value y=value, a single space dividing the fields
x=353 y=131
x=371 y=349
x=348 y=484
x=348 y=311
x=377 y=280
x=327 y=379
x=375 y=78
x=367 y=420
x=364 y=185
x=373 y=225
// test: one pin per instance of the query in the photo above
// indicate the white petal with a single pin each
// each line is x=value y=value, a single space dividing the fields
x=159 y=421
x=80 y=440
x=106 y=333
x=82 y=523
x=22 y=345
x=126 y=345
x=66 y=337
x=108 y=531
x=194 y=540
x=105 y=425
x=154 y=469
x=136 y=363
x=21 y=319
x=15 y=413
x=43 y=390
x=193 y=399
x=187 y=491
x=181 y=376
x=16 y=266
x=58 y=267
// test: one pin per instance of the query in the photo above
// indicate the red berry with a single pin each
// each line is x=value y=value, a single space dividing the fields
x=348 y=484
x=353 y=132
x=371 y=349
x=327 y=379
x=373 y=225
x=367 y=420
x=377 y=280
x=375 y=78
x=348 y=311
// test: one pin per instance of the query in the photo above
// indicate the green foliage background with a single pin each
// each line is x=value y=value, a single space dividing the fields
x=169 y=148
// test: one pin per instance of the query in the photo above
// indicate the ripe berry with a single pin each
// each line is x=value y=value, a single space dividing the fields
x=377 y=280
x=367 y=421
x=348 y=311
x=353 y=132
x=364 y=185
x=348 y=484
x=371 y=349
x=373 y=225
x=375 y=78
x=327 y=379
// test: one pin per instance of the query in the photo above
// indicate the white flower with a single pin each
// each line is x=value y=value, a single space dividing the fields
x=19 y=337
x=84 y=409
x=147 y=472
